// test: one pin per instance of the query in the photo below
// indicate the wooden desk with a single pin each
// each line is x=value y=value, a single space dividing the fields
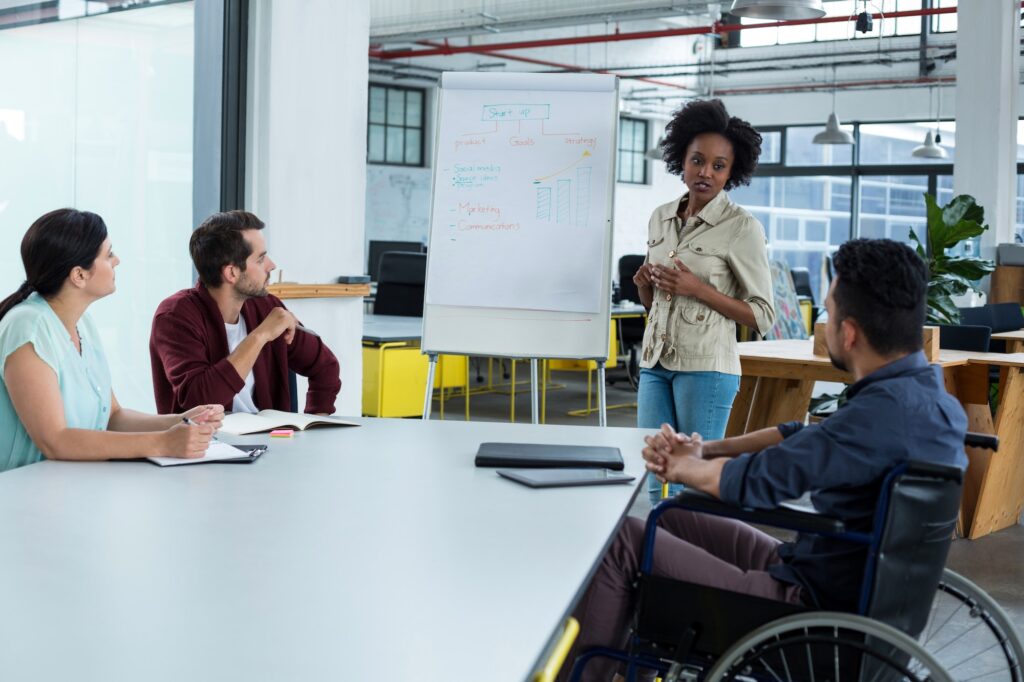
x=361 y=554
x=1014 y=340
x=778 y=377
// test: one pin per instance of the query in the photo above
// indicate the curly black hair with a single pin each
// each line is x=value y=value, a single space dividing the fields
x=882 y=284
x=709 y=116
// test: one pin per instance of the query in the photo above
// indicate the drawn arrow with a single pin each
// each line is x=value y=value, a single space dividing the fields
x=586 y=153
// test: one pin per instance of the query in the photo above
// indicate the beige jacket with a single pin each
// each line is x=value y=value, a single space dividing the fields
x=726 y=247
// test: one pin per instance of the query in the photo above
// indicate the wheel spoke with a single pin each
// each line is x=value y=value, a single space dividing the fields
x=945 y=622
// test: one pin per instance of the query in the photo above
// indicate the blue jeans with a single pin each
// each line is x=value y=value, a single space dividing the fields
x=688 y=401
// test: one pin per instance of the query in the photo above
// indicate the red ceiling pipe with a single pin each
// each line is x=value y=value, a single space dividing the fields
x=838 y=86
x=639 y=35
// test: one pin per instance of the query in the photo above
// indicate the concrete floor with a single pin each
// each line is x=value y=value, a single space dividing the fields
x=995 y=562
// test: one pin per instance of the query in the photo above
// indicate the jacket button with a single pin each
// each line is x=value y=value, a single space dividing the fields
x=671 y=254
x=664 y=336
x=699 y=250
x=700 y=318
x=668 y=297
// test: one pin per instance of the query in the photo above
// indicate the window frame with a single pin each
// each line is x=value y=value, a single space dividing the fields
x=619 y=149
x=422 y=127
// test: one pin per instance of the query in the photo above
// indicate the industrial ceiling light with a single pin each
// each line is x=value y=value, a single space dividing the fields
x=929 y=150
x=864 y=23
x=833 y=134
x=654 y=153
x=777 y=10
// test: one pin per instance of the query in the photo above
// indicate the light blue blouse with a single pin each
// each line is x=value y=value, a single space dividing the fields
x=84 y=379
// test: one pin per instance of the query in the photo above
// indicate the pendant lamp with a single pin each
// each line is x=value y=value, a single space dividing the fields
x=654 y=153
x=929 y=150
x=833 y=134
x=777 y=10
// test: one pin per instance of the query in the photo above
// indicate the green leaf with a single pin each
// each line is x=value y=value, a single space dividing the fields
x=961 y=208
x=956 y=233
x=969 y=268
x=943 y=310
x=935 y=222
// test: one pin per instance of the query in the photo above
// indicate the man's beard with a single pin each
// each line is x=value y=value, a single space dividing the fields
x=246 y=288
x=836 y=362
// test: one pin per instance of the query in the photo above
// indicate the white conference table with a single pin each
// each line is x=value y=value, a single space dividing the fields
x=369 y=553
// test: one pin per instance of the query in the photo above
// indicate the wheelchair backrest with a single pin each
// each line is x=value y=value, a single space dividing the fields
x=914 y=525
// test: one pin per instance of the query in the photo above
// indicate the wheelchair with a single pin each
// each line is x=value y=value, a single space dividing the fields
x=915 y=621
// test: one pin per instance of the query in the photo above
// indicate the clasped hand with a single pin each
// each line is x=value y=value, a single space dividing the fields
x=668 y=453
x=678 y=280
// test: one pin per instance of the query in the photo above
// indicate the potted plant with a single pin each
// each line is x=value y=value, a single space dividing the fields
x=951 y=275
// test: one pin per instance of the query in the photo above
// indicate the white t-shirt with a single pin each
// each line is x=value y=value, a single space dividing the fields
x=243 y=400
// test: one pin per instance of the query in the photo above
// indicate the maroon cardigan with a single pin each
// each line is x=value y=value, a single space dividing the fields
x=188 y=350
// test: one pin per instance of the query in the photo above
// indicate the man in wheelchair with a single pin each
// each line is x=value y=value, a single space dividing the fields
x=897 y=410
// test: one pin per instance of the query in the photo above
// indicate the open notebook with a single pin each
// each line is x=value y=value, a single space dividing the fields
x=242 y=423
x=217 y=452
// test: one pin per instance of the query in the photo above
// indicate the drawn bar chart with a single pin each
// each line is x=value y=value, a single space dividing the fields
x=562 y=200
x=543 y=203
x=582 y=196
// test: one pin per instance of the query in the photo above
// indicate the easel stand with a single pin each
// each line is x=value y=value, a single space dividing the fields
x=534 y=391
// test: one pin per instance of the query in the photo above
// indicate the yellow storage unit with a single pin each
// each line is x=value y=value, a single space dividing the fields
x=394 y=378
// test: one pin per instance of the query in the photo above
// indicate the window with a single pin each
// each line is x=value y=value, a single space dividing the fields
x=771 y=147
x=396 y=125
x=893 y=143
x=632 y=149
x=1019 y=236
x=805 y=218
x=943 y=23
x=89 y=106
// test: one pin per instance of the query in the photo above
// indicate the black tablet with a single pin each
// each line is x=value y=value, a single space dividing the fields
x=559 y=478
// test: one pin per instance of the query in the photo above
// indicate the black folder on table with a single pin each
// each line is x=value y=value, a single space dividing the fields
x=540 y=456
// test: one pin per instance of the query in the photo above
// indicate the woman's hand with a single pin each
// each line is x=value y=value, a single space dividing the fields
x=207 y=415
x=679 y=280
x=187 y=441
x=642 y=278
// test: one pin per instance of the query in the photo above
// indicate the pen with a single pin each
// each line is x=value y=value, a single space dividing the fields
x=192 y=423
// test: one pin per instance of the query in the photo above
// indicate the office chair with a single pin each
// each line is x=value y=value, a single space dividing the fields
x=631 y=330
x=378 y=247
x=978 y=316
x=293 y=390
x=400 y=285
x=968 y=337
x=628 y=265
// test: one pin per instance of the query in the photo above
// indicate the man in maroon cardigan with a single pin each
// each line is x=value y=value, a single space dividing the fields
x=227 y=340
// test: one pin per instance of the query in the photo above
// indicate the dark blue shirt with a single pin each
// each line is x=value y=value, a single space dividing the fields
x=899 y=412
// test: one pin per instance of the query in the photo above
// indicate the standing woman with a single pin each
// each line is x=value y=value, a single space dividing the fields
x=706 y=269
x=55 y=395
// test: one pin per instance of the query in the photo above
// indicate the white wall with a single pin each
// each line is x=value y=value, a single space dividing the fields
x=96 y=114
x=307 y=159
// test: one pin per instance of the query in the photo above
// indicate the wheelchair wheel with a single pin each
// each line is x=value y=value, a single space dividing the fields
x=971 y=635
x=827 y=645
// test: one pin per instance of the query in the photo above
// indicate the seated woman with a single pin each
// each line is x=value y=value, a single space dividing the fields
x=55 y=395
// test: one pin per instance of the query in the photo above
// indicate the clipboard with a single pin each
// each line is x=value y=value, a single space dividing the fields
x=248 y=455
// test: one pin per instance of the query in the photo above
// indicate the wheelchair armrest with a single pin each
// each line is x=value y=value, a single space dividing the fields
x=790 y=519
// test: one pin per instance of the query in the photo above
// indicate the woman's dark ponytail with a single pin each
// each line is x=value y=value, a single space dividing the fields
x=14 y=299
x=54 y=245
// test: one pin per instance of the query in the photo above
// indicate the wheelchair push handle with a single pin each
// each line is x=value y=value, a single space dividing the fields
x=981 y=440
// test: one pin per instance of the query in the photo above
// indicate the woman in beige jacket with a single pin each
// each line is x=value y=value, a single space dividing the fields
x=706 y=269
